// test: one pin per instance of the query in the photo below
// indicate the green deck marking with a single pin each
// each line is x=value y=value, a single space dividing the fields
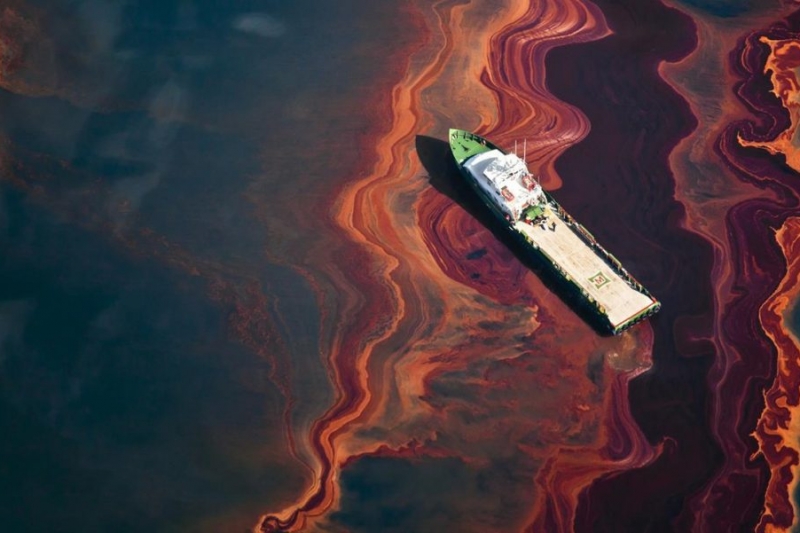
x=599 y=280
x=465 y=145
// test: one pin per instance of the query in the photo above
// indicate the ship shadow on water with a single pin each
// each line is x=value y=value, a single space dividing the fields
x=444 y=176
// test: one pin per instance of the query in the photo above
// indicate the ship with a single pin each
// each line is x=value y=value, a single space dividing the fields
x=595 y=280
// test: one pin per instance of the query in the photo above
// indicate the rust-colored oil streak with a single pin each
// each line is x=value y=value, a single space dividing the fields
x=436 y=301
x=778 y=427
x=619 y=446
x=736 y=199
x=517 y=78
x=367 y=213
x=782 y=63
x=778 y=430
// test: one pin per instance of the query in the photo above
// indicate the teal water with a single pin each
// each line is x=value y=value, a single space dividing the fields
x=793 y=318
x=431 y=495
x=128 y=401
x=124 y=407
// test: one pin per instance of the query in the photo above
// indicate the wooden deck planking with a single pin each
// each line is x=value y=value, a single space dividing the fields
x=587 y=269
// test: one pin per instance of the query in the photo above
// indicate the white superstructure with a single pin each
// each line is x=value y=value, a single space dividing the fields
x=505 y=178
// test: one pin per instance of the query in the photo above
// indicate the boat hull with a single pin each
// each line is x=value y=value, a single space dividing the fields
x=465 y=145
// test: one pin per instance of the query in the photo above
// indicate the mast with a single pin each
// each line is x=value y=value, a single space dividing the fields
x=525 y=151
x=515 y=147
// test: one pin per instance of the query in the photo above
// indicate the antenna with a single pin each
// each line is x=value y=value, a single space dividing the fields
x=515 y=147
x=525 y=150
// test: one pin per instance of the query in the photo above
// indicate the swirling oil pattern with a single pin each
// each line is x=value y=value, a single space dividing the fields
x=244 y=288
x=702 y=472
x=773 y=53
x=739 y=198
x=468 y=396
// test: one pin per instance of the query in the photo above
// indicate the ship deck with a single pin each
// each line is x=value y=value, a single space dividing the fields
x=587 y=269
x=465 y=145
